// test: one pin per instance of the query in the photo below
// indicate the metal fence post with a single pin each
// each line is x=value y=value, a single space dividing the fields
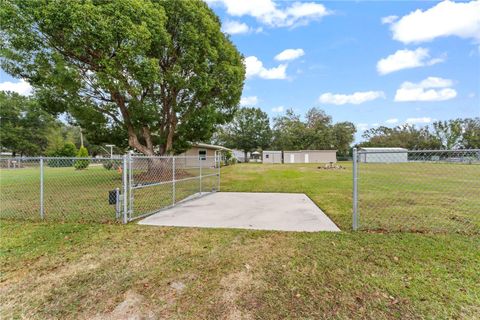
x=131 y=195
x=219 y=167
x=42 y=209
x=125 y=189
x=173 y=180
x=200 y=165
x=355 y=190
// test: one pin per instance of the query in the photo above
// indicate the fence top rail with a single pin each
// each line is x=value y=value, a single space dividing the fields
x=460 y=151
x=106 y=159
x=57 y=158
x=176 y=157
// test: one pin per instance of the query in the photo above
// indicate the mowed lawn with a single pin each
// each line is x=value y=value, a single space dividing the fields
x=71 y=271
x=72 y=195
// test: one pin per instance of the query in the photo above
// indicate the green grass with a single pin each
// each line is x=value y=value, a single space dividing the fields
x=423 y=197
x=71 y=271
x=82 y=195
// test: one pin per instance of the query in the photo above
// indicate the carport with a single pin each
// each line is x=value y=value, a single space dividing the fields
x=246 y=210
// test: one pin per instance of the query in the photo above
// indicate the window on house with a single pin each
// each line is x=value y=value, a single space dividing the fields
x=267 y=156
x=202 y=154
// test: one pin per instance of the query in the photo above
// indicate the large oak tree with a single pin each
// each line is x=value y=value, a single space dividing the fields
x=159 y=72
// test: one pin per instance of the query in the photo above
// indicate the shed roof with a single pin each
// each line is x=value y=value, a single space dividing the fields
x=298 y=151
x=384 y=149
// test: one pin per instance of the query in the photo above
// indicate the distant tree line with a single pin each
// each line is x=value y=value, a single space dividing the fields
x=250 y=130
x=451 y=134
x=27 y=129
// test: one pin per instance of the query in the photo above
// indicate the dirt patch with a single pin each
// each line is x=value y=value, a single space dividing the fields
x=235 y=285
x=160 y=175
x=133 y=307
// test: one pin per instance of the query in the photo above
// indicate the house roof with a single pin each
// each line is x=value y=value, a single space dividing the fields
x=210 y=146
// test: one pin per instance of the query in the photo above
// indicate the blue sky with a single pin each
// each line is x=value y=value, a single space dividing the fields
x=369 y=62
x=341 y=50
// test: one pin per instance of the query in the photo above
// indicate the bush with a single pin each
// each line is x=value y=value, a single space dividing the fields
x=111 y=164
x=229 y=158
x=82 y=163
x=68 y=150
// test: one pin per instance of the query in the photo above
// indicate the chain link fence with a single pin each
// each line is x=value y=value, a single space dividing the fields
x=416 y=190
x=157 y=183
x=101 y=189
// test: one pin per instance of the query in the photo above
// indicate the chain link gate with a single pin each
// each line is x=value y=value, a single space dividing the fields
x=155 y=183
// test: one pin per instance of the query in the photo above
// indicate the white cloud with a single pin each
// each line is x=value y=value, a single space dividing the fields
x=447 y=18
x=249 y=101
x=267 y=12
x=418 y=120
x=289 y=54
x=278 y=109
x=391 y=121
x=255 y=68
x=406 y=59
x=235 y=27
x=430 y=89
x=354 y=98
x=389 y=19
x=22 y=87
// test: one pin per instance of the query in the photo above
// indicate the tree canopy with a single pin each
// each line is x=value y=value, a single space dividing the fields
x=159 y=74
x=24 y=126
x=249 y=131
x=451 y=134
x=317 y=131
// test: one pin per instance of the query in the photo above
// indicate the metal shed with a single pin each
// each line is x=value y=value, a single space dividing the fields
x=310 y=156
x=271 y=156
x=386 y=155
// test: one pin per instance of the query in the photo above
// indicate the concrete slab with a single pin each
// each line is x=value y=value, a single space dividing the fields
x=246 y=210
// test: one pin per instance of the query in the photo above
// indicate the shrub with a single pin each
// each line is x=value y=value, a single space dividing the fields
x=82 y=163
x=68 y=150
x=111 y=164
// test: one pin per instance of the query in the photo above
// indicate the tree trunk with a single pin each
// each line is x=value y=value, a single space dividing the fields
x=245 y=152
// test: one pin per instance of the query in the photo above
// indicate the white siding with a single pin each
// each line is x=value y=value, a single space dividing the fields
x=387 y=155
x=272 y=156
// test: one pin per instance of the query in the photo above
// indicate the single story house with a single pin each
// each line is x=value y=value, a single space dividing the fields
x=310 y=156
x=385 y=155
x=200 y=153
x=269 y=156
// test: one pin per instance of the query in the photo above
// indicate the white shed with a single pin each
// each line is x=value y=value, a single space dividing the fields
x=386 y=155
x=269 y=156
x=310 y=156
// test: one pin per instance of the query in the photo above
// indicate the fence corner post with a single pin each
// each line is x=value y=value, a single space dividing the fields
x=355 y=190
x=42 y=208
x=125 y=190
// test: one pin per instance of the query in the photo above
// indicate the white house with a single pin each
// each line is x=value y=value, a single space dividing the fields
x=385 y=155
